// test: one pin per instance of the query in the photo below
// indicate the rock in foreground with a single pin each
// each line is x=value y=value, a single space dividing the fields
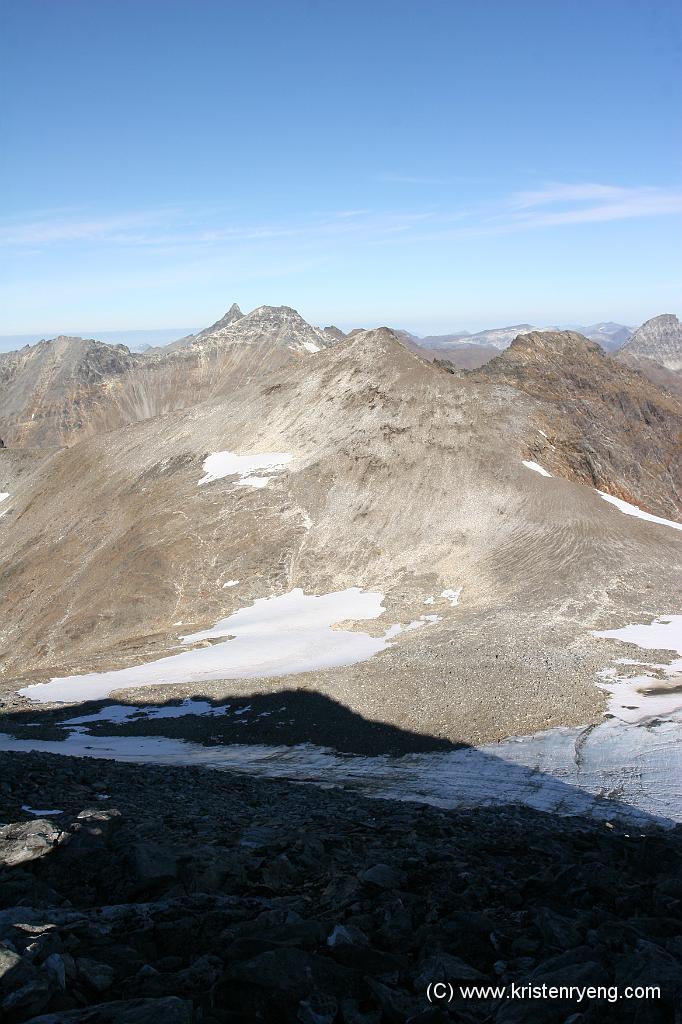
x=182 y=895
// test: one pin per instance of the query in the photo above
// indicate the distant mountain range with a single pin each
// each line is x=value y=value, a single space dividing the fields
x=56 y=391
x=608 y=334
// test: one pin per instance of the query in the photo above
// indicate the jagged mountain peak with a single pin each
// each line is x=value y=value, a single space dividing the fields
x=276 y=326
x=233 y=313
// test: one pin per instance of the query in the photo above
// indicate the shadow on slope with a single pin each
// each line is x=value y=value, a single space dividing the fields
x=286 y=717
x=605 y=772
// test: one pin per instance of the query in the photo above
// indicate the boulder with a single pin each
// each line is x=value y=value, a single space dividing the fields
x=27 y=840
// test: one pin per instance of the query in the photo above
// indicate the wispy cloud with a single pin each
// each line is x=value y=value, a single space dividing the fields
x=171 y=228
x=559 y=203
x=178 y=230
x=560 y=192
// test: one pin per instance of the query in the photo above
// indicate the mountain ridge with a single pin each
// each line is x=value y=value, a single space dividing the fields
x=111 y=548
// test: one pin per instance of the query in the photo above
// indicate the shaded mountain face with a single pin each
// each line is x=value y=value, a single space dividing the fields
x=393 y=477
x=609 y=335
x=59 y=391
x=661 y=376
x=609 y=427
x=659 y=339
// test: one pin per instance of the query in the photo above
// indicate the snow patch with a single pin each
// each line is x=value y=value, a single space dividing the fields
x=222 y=464
x=230 y=583
x=310 y=347
x=275 y=636
x=452 y=596
x=636 y=698
x=39 y=814
x=535 y=467
x=632 y=510
x=4 y=495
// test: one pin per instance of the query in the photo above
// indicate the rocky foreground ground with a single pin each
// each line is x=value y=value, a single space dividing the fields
x=182 y=895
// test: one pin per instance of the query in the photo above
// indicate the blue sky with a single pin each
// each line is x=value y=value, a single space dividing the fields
x=432 y=165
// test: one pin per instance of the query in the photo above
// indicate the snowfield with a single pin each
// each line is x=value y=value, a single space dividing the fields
x=275 y=636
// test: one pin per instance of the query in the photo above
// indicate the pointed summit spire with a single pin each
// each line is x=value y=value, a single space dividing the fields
x=234 y=313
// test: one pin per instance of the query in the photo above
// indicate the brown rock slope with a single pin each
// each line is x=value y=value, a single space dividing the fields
x=403 y=479
x=661 y=376
x=48 y=391
x=57 y=392
x=607 y=425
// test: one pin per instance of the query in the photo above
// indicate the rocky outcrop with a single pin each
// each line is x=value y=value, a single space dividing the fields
x=611 y=428
x=334 y=334
x=289 y=904
x=26 y=841
x=659 y=339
